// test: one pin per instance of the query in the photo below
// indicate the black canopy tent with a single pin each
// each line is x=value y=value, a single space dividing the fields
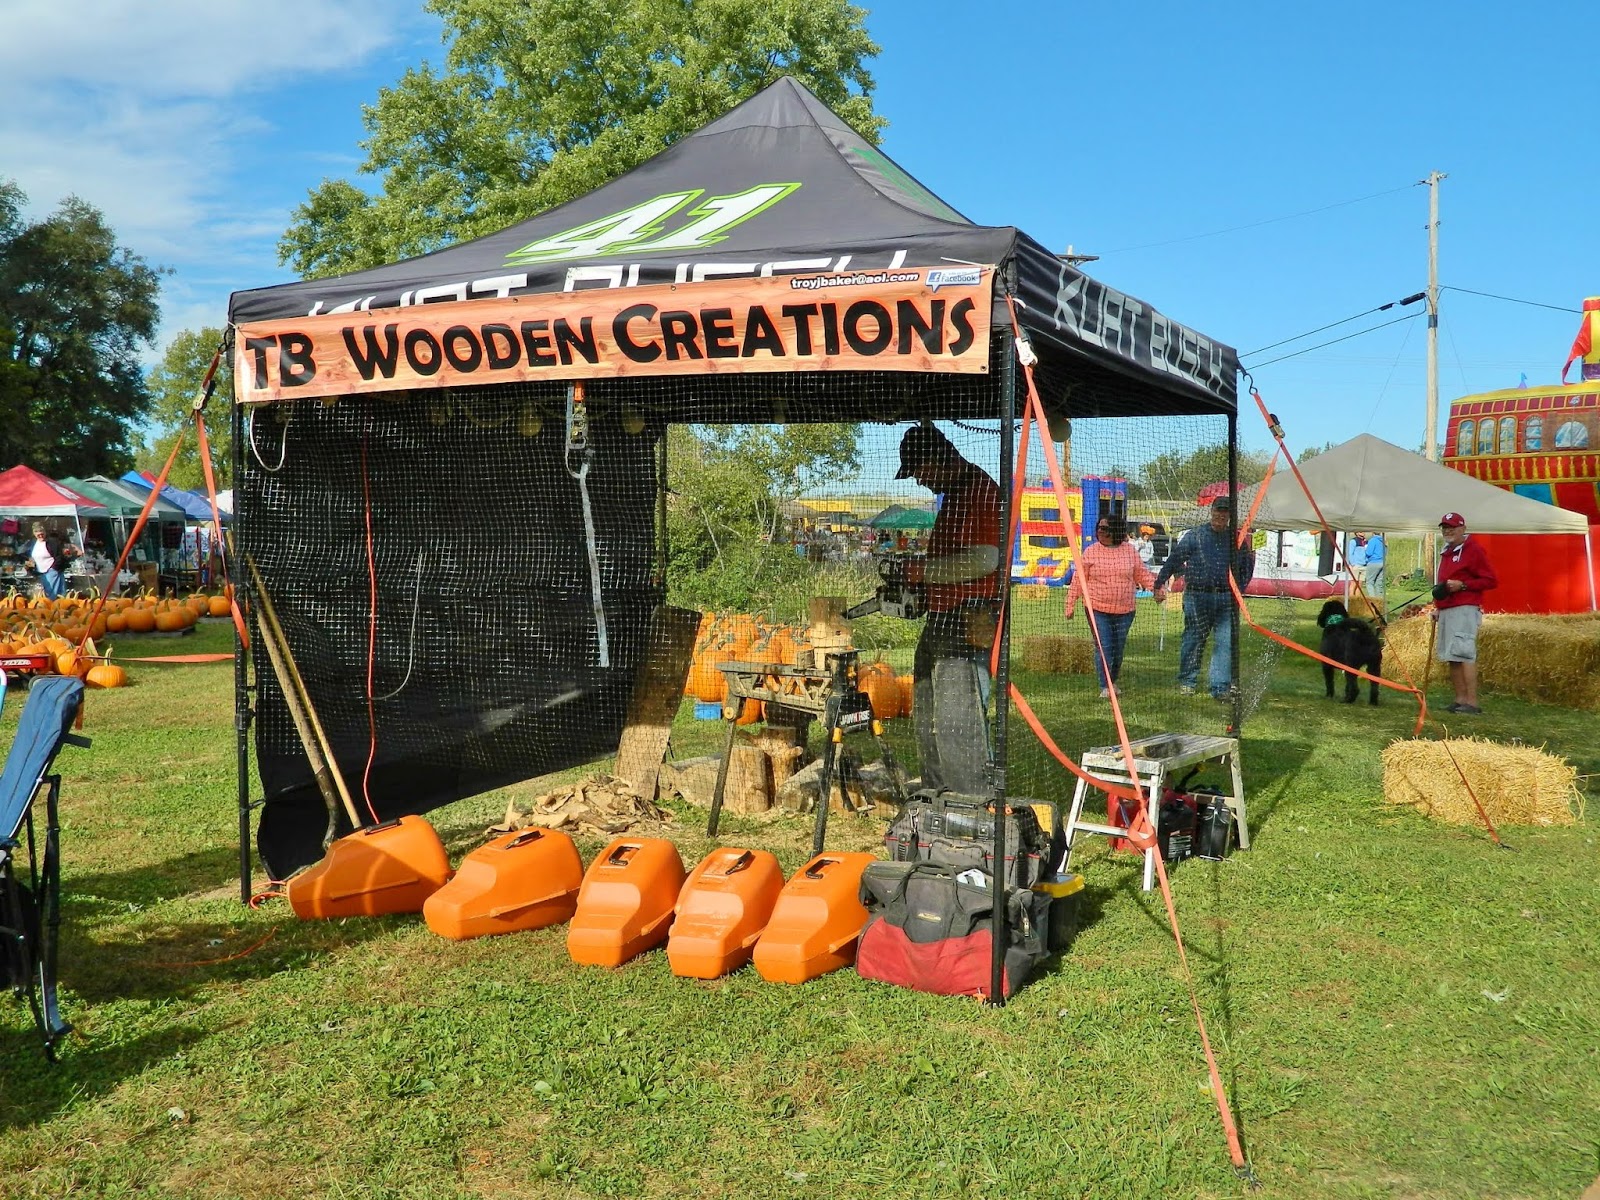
x=778 y=189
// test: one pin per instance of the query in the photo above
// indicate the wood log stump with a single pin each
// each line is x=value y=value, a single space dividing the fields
x=749 y=787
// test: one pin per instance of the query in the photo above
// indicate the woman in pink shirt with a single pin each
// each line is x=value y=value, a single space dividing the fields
x=1110 y=572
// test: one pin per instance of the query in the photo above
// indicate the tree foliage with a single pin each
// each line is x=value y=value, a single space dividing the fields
x=540 y=101
x=173 y=384
x=75 y=310
x=1179 y=475
x=729 y=486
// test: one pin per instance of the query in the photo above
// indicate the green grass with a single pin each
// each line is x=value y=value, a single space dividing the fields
x=1399 y=1008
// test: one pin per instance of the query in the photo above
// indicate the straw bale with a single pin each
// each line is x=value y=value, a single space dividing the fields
x=1057 y=655
x=1553 y=659
x=1517 y=785
x=1042 y=653
x=1035 y=591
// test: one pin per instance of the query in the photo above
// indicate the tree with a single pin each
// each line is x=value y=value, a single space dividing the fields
x=728 y=488
x=541 y=101
x=1179 y=475
x=75 y=309
x=1311 y=452
x=173 y=384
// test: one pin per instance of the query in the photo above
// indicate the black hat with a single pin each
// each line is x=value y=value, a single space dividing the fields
x=1223 y=502
x=921 y=443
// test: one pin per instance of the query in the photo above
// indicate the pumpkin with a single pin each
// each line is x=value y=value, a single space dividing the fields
x=710 y=685
x=139 y=620
x=106 y=675
x=169 y=621
x=907 y=686
x=884 y=694
x=780 y=647
x=217 y=606
x=749 y=713
x=117 y=622
x=71 y=663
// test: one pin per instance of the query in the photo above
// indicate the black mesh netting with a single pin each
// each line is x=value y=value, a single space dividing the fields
x=430 y=558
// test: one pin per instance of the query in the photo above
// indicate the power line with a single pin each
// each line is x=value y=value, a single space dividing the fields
x=1310 y=212
x=1511 y=299
x=1334 y=342
x=1412 y=299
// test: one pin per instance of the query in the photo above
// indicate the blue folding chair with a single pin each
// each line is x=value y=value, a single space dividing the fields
x=30 y=909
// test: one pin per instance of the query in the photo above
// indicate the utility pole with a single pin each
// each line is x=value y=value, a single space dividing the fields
x=1430 y=444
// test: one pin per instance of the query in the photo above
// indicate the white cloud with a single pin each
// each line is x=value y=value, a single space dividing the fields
x=151 y=112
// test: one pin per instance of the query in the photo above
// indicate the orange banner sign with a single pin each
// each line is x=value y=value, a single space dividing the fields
x=916 y=319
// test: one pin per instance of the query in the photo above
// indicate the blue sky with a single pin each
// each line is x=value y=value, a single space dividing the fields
x=1135 y=132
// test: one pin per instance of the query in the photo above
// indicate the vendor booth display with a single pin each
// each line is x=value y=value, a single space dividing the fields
x=26 y=496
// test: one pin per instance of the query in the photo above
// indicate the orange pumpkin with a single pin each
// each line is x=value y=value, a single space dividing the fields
x=106 y=675
x=884 y=694
x=907 y=686
x=170 y=621
x=139 y=620
x=217 y=606
x=749 y=713
x=117 y=622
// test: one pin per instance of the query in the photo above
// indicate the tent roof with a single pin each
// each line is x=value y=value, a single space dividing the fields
x=834 y=202
x=123 y=500
x=1368 y=483
x=25 y=492
x=193 y=507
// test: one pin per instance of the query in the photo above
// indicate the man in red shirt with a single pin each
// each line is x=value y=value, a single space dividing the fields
x=962 y=575
x=1464 y=576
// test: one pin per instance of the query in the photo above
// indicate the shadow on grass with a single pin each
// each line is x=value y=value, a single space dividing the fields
x=36 y=1090
x=150 y=883
x=156 y=959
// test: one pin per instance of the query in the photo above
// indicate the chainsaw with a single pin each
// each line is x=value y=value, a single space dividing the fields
x=896 y=596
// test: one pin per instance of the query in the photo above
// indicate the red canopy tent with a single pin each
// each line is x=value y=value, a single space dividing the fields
x=24 y=492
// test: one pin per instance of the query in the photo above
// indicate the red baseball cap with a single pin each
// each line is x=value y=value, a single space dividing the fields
x=1451 y=520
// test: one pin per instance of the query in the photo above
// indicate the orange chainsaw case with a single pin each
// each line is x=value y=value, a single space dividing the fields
x=392 y=867
x=522 y=880
x=816 y=922
x=721 y=911
x=625 y=903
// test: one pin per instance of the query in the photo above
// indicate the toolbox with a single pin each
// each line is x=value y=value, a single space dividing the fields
x=626 y=901
x=816 y=921
x=721 y=911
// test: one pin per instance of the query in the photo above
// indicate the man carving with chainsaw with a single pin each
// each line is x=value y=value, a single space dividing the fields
x=961 y=575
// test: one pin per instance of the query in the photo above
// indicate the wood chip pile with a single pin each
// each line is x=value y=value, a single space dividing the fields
x=601 y=806
x=1551 y=659
x=1517 y=785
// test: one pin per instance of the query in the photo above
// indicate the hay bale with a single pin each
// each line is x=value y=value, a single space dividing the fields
x=1517 y=785
x=1034 y=591
x=1077 y=655
x=1056 y=655
x=1553 y=659
x=1405 y=649
x=1042 y=653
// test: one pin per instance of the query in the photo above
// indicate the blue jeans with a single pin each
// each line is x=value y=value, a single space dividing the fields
x=1205 y=614
x=54 y=585
x=1112 y=629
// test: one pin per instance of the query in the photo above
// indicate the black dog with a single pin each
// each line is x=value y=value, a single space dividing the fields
x=1351 y=641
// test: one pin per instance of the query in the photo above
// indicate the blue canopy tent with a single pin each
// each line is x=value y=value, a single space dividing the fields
x=184 y=563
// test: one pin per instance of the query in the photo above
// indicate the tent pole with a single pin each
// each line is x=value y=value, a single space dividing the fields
x=1588 y=553
x=1001 y=684
x=243 y=714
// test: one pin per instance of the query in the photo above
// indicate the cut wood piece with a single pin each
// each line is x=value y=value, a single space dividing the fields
x=749 y=788
x=657 y=693
x=785 y=763
x=692 y=779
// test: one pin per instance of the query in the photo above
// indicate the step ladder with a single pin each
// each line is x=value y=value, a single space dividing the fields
x=1156 y=759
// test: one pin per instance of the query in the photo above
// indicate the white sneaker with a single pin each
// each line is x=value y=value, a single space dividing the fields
x=1105 y=693
x=1185 y=689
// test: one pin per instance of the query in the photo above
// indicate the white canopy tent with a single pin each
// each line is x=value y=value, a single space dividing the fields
x=1368 y=483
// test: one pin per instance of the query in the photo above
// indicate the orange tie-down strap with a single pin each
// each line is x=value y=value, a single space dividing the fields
x=182 y=658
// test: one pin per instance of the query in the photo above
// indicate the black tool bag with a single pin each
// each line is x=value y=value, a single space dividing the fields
x=933 y=932
x=958 y=831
